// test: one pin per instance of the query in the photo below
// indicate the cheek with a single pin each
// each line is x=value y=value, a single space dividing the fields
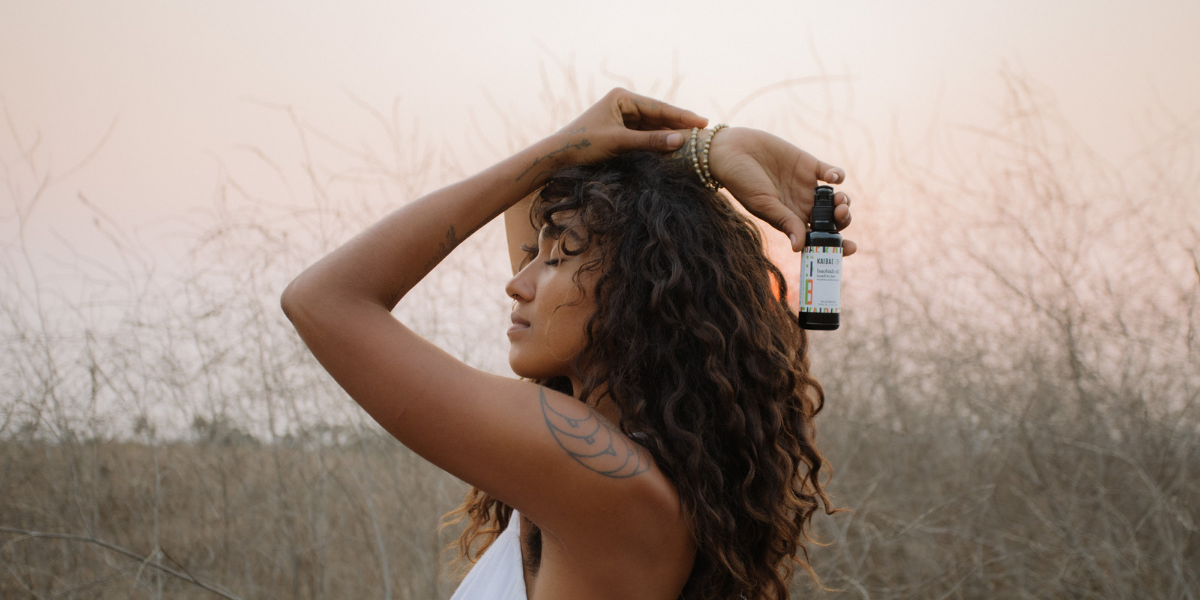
x=565 y=336
x=570 y=322
x=558 y=335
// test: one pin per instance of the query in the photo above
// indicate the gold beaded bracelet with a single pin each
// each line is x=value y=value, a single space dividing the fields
x=694 y=151
x=700 y=157
x=709 y=182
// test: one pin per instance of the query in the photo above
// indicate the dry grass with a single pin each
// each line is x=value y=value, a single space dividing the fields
x=344 y=521
x=1012 y=400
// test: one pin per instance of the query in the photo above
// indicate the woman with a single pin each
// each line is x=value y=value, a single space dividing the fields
x=661 y=443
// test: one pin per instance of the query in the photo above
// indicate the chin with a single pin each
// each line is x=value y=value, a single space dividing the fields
x=519 y=372
x=524 y=366
x=520 y=367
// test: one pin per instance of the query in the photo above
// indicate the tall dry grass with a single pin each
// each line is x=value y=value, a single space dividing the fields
x=1012 y=400
x=1013 y=403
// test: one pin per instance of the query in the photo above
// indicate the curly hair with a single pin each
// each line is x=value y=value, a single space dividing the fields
x=695 y=344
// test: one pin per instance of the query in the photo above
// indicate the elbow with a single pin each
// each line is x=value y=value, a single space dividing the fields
x=308 y=303
x=291 y=301
x=286 y=302
x=311 y=301
x=298 y=302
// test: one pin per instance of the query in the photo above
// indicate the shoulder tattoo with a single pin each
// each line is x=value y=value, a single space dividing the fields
x=593 y=442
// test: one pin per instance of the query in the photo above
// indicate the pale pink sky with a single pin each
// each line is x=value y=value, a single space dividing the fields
x=177 y=76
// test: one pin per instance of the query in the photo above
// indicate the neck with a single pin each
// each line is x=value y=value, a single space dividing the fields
x=600 y=401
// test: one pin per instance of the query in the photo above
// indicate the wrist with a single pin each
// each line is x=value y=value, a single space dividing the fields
x=697 y=156
x=721 y=148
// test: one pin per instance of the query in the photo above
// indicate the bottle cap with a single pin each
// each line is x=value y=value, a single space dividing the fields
x=822 y=212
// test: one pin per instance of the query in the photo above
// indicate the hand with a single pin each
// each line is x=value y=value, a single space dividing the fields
x=775 y=180
x=622 y=121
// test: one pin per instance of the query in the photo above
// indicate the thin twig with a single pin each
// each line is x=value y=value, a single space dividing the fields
x=122 y=551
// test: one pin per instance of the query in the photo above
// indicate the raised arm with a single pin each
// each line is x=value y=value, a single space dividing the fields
x=507 y=437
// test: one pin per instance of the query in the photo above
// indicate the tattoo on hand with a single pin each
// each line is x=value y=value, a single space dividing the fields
x=653 y=104
x=595 y=443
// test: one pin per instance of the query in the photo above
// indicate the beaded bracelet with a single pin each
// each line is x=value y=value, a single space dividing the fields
x=694 y=151
x=709 y=181
x=700 y=157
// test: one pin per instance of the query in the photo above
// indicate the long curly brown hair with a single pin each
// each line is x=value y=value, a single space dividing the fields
x=694 y=342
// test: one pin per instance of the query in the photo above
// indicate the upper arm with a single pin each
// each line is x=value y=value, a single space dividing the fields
x=537 y=450
x=520 y=231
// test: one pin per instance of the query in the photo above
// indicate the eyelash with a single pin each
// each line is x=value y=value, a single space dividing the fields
x=532 y=252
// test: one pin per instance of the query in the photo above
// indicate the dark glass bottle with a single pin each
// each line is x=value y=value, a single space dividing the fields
x=821 y=267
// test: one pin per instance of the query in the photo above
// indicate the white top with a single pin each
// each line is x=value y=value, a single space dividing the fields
x=498 y=575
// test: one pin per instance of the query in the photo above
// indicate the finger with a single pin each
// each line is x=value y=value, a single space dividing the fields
x=841 y=216
x=788 y=222
x=829 y=173
x=640 y=112
x=841 y=198
x=849 y=247
x=660 y=141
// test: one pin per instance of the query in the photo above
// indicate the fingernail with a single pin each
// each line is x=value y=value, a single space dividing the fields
x=674 y=139
x=792 y=236
x=833 y=177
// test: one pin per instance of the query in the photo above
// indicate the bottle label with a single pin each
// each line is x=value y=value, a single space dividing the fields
x=821 y=279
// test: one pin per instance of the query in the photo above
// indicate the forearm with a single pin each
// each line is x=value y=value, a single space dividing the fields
x=384 y=262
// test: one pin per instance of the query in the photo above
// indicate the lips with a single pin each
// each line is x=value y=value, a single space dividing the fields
x=518 y=324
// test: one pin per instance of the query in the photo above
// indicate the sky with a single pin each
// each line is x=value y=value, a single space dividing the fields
x=179 y=87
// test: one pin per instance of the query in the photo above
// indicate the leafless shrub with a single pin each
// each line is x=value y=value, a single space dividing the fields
x=1013 y=402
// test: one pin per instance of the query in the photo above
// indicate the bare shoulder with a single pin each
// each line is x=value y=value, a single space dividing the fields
x=643 y=512
x=635 y=543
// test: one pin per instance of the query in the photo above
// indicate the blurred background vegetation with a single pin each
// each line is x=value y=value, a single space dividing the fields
x=1011 y=401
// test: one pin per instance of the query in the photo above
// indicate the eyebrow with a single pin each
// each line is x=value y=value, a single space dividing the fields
x=570 y=232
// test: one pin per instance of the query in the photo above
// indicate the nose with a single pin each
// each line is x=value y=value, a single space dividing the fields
x=520 y=287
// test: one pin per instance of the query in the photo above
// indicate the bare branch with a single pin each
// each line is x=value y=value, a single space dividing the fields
x=27 y=534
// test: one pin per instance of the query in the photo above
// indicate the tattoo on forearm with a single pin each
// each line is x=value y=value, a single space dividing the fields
x=444 y=248
x=593 y=442
x=584 y=143
x=451 y=241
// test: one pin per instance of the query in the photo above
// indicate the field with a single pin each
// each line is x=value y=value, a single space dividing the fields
x=1012 y=400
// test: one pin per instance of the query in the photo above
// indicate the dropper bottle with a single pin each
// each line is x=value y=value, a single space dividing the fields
x=821 y=267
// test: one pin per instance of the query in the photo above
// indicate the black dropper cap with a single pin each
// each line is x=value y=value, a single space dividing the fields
x=822 y=214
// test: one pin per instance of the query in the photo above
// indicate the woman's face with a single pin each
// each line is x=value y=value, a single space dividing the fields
x=551 y=310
